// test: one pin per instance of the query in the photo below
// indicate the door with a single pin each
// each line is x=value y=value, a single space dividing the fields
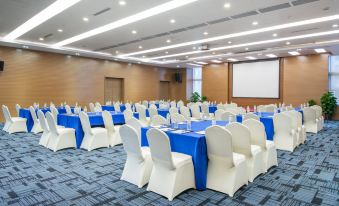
x=113 y=89
x=164 y=92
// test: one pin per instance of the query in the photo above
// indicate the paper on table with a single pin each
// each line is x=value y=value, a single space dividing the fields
x=179 y=131
x=200 y=132
x=166 y=129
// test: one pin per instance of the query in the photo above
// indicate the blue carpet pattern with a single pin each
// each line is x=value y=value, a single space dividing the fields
x=33 y=175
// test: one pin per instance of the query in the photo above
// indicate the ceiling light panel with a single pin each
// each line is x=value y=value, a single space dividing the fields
x=44 y=15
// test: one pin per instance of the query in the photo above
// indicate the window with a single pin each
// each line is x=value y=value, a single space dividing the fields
x=194 y=81
x=334 y=76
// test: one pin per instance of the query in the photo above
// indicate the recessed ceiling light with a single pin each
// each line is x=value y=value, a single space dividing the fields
x=271 y=55
x=294 y=53
x=216 y=61
x=139 y=62
x=127 y=20
x=194 y=48
x=52 y=10
x=205 y=33
x=25 y=47
x=259 y=54
x=229 y=42
x=232 y=59
x=275 y=35
x=172 y=21
x=140 y=47
x=288 y=43
x=246 y=49
x=134 y=32
x=166 y=52
x=144 y=56
x=335 y=25
x=320 y=50
x=187 y=57
x=250 y=57
x=168 y=41
x=245 y=33
x=178 y=66
x=299 y=49
x=227 y=5
x=77 y=54
x=122 y=3
x=255 y=23
x=117 y=52
x=213 y=53
x=85 y=19
x=60 y=30
x=41 y=39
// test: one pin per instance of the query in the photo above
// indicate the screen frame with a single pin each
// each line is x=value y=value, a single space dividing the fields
x=253 y=61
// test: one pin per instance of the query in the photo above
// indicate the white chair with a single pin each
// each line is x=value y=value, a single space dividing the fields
x=152 y=105
x=285 y=137
x=301 y=126
x=152 y=111
x=94 y=137
x=158 y=120
x=185 y=111
x=227 y=171
x=177 y=118
x=138 y=164
x=46 y=133
x=220 y=106
x=141 y=109
x=172 y=172
x=241 y=141
x=270 y=108
x=250 y=116
x=145 y=103
x=91 y=107
x=68 y=109
x=55 y=113
x=112 y=130
x=128 y=114
x=36 y=124
x=136 y=124
x=180 y=103
x=17 y=108
x=205 y=109
x=173 y=110
x=294 y=121
x=195 y=109
x=228 y=116
x=261 y=108
x=13 y=124
x=128 y=106
x=218 y=113
x=319 y=115
x=117 y=107
x=173 y=104
x=311 y=122
x=258 y=137
x=60 y=138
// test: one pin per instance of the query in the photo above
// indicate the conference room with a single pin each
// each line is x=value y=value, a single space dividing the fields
x=169 y=102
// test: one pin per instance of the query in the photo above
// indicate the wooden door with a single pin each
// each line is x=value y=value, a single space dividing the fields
x=113 y=89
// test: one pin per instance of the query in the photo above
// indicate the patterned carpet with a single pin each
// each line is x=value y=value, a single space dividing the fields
x=33 y=175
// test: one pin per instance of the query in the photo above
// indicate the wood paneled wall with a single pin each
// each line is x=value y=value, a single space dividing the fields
x=31 y=76
x=302 y=78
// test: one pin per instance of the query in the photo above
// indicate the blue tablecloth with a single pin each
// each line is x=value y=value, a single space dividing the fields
x=111 y=108
x=192 y=144
x=212 y=108
x=73 y=121
x=25 y=113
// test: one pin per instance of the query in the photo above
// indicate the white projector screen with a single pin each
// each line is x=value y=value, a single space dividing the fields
x=256 y=79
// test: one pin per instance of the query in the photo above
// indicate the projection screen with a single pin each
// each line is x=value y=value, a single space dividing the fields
x=258 y=79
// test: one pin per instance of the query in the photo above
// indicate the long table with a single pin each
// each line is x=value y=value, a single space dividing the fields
x=95 y=119
x=25 y=113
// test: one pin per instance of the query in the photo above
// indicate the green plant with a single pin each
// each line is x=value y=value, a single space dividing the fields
x=329 y=104
x=312 y=102
x=203 y=98
x=195 y=97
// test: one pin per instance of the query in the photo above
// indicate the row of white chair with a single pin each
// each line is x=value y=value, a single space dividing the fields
x=237 y=154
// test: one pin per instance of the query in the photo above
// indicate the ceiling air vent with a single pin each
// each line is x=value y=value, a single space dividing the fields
x=300 y=2
x=275 y=8
x=219 y=20
x=48 y=35
x=246 y=14
x=303 y=30
x=101 y=12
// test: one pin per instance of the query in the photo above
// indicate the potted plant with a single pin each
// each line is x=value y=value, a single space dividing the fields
x=312 y=102
x=195 y=97
x=203 y=98
x=328 y=104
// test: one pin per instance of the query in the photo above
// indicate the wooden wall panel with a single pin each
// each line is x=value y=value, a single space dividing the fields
x=31 y=76
x=306 y=77
x=215 y=82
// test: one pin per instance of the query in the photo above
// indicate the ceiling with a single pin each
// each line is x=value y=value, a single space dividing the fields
x=197 y=20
